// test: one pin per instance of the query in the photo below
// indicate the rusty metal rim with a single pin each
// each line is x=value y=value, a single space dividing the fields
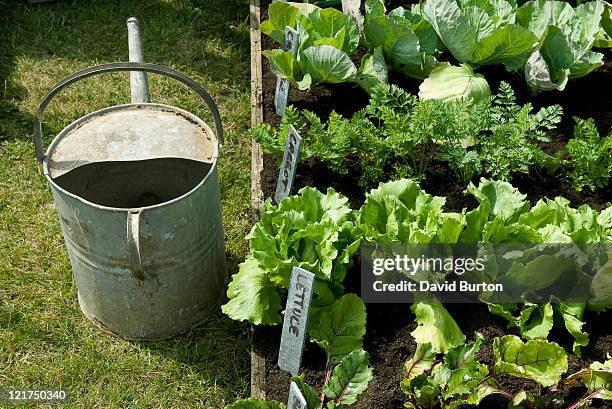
x=118 y=67
x=85 y=118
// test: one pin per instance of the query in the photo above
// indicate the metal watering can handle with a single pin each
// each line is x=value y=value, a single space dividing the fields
x=121 y=66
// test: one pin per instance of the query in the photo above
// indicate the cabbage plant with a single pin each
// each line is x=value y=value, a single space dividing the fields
x=565 y=37
x=408 y=41
x=328 y=40
x=549 y=40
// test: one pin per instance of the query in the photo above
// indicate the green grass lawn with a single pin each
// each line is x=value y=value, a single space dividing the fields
x=44 y=340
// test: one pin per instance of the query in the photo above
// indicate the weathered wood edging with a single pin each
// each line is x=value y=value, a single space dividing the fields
x=258 y=362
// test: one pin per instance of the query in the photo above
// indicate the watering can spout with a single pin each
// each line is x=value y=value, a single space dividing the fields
x=139 y=85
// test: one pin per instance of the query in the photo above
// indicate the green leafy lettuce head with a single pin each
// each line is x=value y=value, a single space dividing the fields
x=311 y=230
x=400 y=212
x=505 y=216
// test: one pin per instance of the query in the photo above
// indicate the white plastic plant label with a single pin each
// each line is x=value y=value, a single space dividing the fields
x=281 y=97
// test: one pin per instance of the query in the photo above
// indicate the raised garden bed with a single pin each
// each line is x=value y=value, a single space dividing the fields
x=388 y=338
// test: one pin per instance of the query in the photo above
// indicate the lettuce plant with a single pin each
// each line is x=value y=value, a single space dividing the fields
x=504 y=216
x=400 y=212
x=311 y=230
x=459 y=378
x=328 y=39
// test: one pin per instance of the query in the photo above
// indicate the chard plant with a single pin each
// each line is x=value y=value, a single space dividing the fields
x=328 y=39
x=460 y=378
x=338 y=328
x=597 y=379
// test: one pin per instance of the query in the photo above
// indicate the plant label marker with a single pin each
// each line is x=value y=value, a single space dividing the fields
x=296 y=399
x=282 y=85
x=289 y=165
x=296 y=321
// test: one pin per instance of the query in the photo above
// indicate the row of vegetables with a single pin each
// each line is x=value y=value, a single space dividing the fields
x=321 y=233
x=398 y=135
x=455 y=121
x=550 y=42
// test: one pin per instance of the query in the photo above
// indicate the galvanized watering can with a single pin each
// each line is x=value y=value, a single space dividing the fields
x=137 y=193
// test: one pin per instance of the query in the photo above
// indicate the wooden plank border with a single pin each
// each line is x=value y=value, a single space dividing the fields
x=256 y=109
x=258 y=362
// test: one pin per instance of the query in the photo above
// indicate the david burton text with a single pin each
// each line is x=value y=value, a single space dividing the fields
x=449 y=287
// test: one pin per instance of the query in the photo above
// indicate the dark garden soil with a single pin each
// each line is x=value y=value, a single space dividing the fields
x=583 y=97
x=389 y=343
x=586 y=97
x=388 y=338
